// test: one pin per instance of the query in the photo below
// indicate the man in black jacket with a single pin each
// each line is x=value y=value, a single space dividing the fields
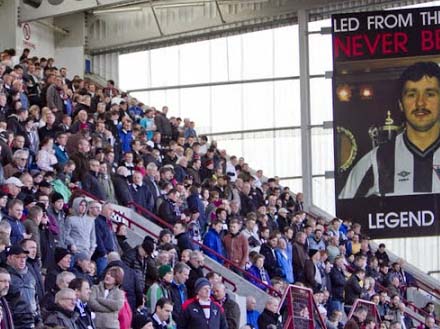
x=140 y=260
x=182 y=236
x=270 y=315
x=353 y=288
x=232 y=310
x=169 y=210
x=195 y=263
x=162 y=313
x=21 y=294
x=5 y=280
x=140 y=192
x=270 y=261
x=122 y=186
x=337 y=279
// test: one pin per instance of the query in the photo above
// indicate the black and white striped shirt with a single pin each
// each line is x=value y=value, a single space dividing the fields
x=395 y=168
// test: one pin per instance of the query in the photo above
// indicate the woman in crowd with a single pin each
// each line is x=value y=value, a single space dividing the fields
x=107 y=299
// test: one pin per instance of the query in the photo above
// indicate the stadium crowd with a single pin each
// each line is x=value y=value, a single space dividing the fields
x=65 y=264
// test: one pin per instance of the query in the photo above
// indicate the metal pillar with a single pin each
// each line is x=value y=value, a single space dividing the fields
x=304 y=82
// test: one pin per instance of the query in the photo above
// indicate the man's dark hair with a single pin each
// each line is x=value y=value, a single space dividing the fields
x=76 y=284
x=163 y=301
x=417 y=71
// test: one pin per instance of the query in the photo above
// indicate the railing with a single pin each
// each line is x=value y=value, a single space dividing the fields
x=149 y=232
x=372 y=309
x=230 y=264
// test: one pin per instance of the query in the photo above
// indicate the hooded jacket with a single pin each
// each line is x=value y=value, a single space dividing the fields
x=80 y=229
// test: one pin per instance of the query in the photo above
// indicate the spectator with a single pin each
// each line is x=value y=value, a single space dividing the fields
x=214 y=242
x=105 y=240
x=270 y=316
x=141 y=261
x=178 y=290
x=34 y=266
x=258 y=274
x=169 y=209
x=353 y=288
x=299 y=255
x=312 y=277
x=62 y=263
x=80 y=228
x=236 y=245
x=270 y=258
x=182 y=236
x=83 y=292
x=195 y=263
x=284 y=261
x=18 y=231
x=140 y=193
x=200 y=312
x=161 y=288
x=251 y=313
x=337 y=279
x=357 y=319
x=162 y=313
x=107 y=299
x=63 y=314
x=231 y=308
x=382 y=255
x=81 y=267
x=90 y=181
x=5 y=281
x=21 y=293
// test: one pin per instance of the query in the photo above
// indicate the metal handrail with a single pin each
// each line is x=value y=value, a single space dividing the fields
x=201 y=245
x=151 y=233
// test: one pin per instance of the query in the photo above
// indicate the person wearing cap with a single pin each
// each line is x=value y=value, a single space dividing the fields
x=80 y=227
x=140 y=259
x=13 y=187
x=21 y=296
x=201 y=312
x=15 y=212
x=62 y=263
x=81 y=268
x=161 y=288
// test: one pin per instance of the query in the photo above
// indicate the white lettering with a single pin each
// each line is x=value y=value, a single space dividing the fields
x=346 y=24
x=430 y=18
x=389 y=21
x=421 y=218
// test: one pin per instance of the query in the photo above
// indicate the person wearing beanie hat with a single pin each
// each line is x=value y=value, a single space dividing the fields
x=140 y=259
x=62 y=263
x=201 y=312
x=160 y=289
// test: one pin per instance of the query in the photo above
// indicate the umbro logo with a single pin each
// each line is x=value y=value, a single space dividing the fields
x=403 y=174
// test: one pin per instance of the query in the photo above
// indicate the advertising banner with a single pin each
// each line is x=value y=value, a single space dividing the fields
x=386 y=109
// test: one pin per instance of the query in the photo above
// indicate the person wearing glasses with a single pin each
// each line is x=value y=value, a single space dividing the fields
x=18 y=165
x=63 y=313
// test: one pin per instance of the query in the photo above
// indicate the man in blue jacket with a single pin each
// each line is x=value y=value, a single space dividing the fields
x=213 y=241
x=105 y=239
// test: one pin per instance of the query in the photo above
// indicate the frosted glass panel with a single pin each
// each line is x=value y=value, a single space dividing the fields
x=165 y=66
x=133 y=70
x=321 y=104
x=219 y=60
x=258 y=105
x=324 y=193
x=295 y=185
x=194 y=63
x=226 y=108
x=195 y=104
x=286 y=61
x=258 y=54
x=320 y=53
x=322 y=151
x=287 y=103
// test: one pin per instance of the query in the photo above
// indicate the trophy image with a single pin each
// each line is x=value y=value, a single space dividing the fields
x=385 y=133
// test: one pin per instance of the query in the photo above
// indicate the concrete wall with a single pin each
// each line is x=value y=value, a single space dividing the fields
x=8 y=19
x=41 y=39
